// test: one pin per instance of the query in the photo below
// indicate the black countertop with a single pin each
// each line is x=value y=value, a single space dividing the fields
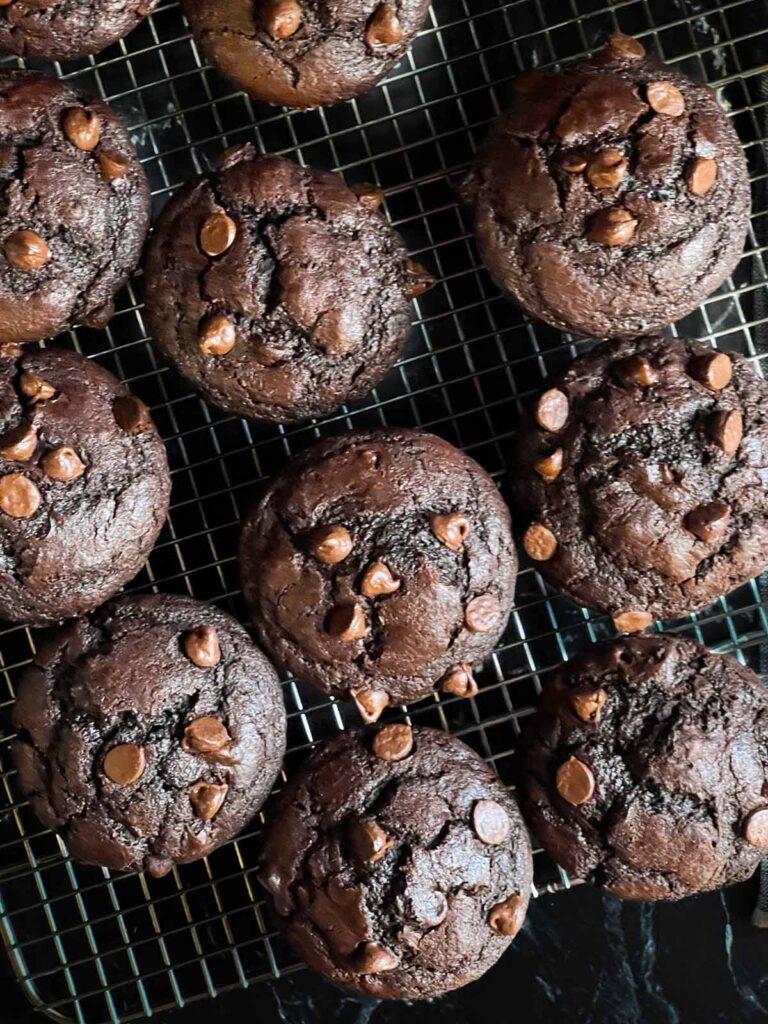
x=582 y=957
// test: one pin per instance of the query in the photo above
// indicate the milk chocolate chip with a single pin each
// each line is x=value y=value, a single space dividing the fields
x=19 y=444
x=637 y=370
x=614 y=226
x=217 y=233
x=372 y=958
x=632 y=622
x=82 y=127
x=378 y=580
x=460 y=681
x=575 y=781
x=370 y=842
x=552 y=410
x=701 y=175
x=588 y=706
x=207 y=799
x=384 y=28
x=482 y=614
x=131 y=414
x=347 y=622
x=419 y=279
x=550 y=467
x=62 y=463
x=113 y=165
x=205 y=736
x=282 y=18
x=27 y=250
x=201 y=646
x=507 y=918
x=368 y=195
x=709 y=522
x=726 y=429
x=18 y=496
x=370 y=703
x=625 y=46
x=125 y=764
x=35 y=388
x=756 y=828
x=666 y=99
x=608 y=169
x=714 y=370
x=331 y=544
x=393 y=742
x=539 y=542
x=217 y=336
x=451 y=530
x=491 y=822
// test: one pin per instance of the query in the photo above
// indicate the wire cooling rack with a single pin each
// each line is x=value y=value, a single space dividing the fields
x=93 y=947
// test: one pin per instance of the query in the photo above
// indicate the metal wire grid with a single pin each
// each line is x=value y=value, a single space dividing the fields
x=93 y=947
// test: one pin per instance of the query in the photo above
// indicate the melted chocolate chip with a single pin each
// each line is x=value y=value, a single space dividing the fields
x=539 y=542
x=393 y=742
x=575 y=781
x=125 y=764
x=384 y=28
x=201 y=646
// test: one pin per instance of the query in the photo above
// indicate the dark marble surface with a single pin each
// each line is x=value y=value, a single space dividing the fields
x=581 y=957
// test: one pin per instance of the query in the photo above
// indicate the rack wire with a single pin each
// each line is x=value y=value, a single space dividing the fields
x=101 y=948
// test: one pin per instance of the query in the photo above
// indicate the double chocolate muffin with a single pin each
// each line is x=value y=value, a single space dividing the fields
x=84 y=486
x=641 y=478
x=304 y=53
x=64 y=29
x=646 y=768
x=275 y=290
x=149 y=733
x=74 y=212
x=380 y=566
x=399 y=863
x=613 y=198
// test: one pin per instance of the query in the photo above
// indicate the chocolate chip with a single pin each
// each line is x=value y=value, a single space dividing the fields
x=726 y=428
x=18 y=496
x=701 y=175
x=217 y=336
x=608 y=169
x=27 y=250
x=368 y=195
x=370 y=703
x=575 y=781
x=625 y=46
x=113 y=165
x=331 y=544
x=371 y=958
x=370 y=842
x=205 y=736
x=82 y=127
x=460 y=681
x=62 y=463
x=539 y=542
x=552 y=410
x=714 y=370
x=217 y=233
x=632 y=622
x=282 y=18
x=451 y=530
x=550 y=467
x=574 y=163
x=588 y=706
x=709 y=522
x=507 y=918
x=347 y=622
x=384 y=28
x=756 y=828
x=378 y=580
x=125 y=764
x=491 y=822
x=419 y=279
x=201 y=646
x=131 y=414
x=19 y=444
x=614 y=226
x=482 y=614
x=207 y=799
x=35 y=388
x=666 y=99
x=637 y=370
x=393 y=742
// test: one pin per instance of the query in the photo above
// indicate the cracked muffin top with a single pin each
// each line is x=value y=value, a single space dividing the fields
x=398 y=862
x=613 y=198
x=640 y=478
x=275 y=290
x=65 y=29
x=645 y=770
x=304 y=53
x=74 y=212
x=149 y=733
x=380 y=566
x=84 y=486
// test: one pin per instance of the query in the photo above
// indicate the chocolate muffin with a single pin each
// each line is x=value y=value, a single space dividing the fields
x=399 y=863
x=613 y=198
x=646 y=768
x=275 y=290
x=304 y=53
x=641 y=478
x=84 y=486
x=62 y=30
x=380 y=566
x=149 y=733
x=75 y=208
